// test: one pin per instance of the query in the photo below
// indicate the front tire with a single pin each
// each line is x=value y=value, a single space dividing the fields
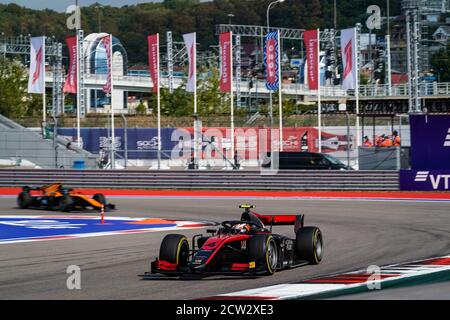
x=263 y=250
x=309 y=245
x=175 y=249
x=66 y=203
x=52 y=203
x=24 y=200
x=100 y=197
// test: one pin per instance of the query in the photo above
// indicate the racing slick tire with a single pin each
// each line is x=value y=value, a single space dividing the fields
x=175 y=249
x=263 y=250
x=52 y=203
x=66 y=203
x=309 y=245
x=24 y=200
x=100 y=197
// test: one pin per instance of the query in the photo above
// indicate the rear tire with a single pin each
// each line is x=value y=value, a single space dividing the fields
x=24 y=200
x=263 y=250
x=175 y=249
x=309 y=245
x=66 y=203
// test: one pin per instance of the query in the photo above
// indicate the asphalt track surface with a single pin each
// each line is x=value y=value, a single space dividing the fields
x=356 y=234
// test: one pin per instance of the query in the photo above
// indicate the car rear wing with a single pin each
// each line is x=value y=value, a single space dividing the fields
x=283 y=220
x=277 y=220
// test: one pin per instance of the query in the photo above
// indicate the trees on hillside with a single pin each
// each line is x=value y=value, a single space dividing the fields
x=14 y=99
x=131 y=24
x=440 y=62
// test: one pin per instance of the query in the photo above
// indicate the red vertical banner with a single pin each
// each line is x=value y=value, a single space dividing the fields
x=311 y=38
x=153 y=59
x=226 y=68
x=70 y=86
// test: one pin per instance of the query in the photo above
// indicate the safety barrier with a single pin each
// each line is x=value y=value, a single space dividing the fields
x=211 y=180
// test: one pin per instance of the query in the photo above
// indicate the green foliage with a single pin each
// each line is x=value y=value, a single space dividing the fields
x=141 y=108
x=211 y=99
x=14 y=99
x=441 y=62
x=131 y=24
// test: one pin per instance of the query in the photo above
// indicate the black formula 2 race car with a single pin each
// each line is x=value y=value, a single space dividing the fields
x=245 y=247
x=57 y=197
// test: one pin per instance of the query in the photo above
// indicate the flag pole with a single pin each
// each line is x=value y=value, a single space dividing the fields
x=358 y=134
x=44 y=103
x=232 y=97
x=319 y=102
x=194 y=61
x=78 y=91
x=113 y=136
x=280 y=93
x=158 y=102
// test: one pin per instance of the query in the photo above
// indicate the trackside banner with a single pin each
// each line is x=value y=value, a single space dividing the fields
x=430 y=142
x=426 y=180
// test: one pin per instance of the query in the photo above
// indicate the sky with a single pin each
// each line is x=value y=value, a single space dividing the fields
x=61 y=5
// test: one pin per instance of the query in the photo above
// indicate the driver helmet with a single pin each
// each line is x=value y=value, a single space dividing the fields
x=242 y=228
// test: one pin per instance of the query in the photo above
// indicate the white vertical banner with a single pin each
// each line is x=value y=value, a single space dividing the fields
x=348 y=47
x=36 y=80
x=190 y=41
x=108 y=88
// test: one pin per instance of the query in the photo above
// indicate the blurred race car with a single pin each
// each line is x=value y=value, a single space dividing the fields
x=244 y=247
x=56 y=197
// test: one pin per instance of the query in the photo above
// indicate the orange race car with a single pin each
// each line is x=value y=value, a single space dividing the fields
x=56 y=197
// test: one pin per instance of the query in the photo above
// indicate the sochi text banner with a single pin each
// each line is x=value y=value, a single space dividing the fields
x=70 y=86
x=153 y=59
x=312 y=47
x=226 y=51
x=348 y=47
x=190 y=42
x=271 y=61
x=37 y=65
x=106 y=41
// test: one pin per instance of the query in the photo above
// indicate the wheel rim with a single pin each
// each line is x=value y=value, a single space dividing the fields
x=272 y=255
x=319 y=247
x=183 y=257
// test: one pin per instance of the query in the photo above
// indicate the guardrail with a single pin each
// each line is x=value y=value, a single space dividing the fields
x=211 y=180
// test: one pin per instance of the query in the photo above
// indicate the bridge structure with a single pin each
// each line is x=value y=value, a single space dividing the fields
x=373 y=98
x=434 y=97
